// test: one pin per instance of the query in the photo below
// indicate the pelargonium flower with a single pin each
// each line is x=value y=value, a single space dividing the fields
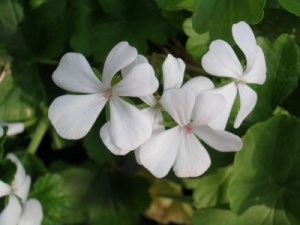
x=221 y=60
x=73 y=115
x=179 y=146
x=23 y=212
x=13 y=128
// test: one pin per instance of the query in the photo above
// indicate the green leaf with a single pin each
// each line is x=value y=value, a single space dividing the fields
x=283 y=71
x=196 y=44
x=292 y=6
x=48 y=190
x=21 y=92
x=211 y=189
x=32 y=164
x=120 y=21
x=94 y=146
x=266 y=170
x=110 y=206
x=7 y=170
x=217 y=17
x=214 y=217
x=175 y=4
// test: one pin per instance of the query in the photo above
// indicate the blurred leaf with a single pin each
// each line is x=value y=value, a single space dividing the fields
x=292 y=6
x=7 y=170
x=104 y=197
x=217 y=17
x=45 y=28
x=94 y=146
x=32 y=164
x=266 y=171
x=283 y=71
x=210 y=189
x=116 y=198
x=214 y=217
x=21 y=92
x=120 y=21
x=196 y=44
x=48 y=190
x=175 y=4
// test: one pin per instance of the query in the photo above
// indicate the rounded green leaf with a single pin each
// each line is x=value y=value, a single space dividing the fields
x=266 y=170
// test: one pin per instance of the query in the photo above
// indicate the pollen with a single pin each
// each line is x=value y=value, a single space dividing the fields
x=107 y=94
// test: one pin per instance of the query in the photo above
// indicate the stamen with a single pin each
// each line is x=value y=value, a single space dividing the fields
x=188 y=130
x=107 y=94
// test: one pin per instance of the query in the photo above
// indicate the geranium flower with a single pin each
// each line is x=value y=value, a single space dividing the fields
x=179 y=146
x=221 y=60
x=12 y=128
x=73 y=115
x=23 y=211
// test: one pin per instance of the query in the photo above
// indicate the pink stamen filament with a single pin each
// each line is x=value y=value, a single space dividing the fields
x=188 y=130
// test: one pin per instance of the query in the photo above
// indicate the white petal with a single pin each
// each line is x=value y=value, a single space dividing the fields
x=118 y=58
x=248 y=99
x=192 y=158
x=159 y=152
x=155 y=117
x=139 y=60
x=198 y=84
x=257 y=73
x=32 y=213
x=73 y=115
x=75 y=74
x=149 y=99
x=11 y=213
x=141 y=81
x=15 y=128
x=220 y=140
x=105 y=134
x=173 y=72
x=179 y=104
x=20 y=175
x=130 y=127
x=4 y=189
x=221 y=61
x=23 y=189
x=245 y=39
x=229 y=91
x=208 y=106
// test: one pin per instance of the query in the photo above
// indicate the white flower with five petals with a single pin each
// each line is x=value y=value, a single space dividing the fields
x=19 y=210
x=74 y=115
x=179 y=146
x=221 y=60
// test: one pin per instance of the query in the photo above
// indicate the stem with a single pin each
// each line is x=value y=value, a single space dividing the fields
x=48 y=62
x=38 y=135
x=195 y=69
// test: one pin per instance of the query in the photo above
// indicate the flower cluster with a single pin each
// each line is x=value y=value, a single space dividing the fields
x=198 y=109
x=19 y=210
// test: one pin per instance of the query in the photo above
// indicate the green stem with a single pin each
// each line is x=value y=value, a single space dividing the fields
x=38 y=135
x=48 y=62
x=196 y=69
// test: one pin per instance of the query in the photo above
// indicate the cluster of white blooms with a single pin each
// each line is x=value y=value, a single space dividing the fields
x=19 y=210
x=199 y=110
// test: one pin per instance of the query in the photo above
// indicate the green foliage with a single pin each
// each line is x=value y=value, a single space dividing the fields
x=265 y=171
x=283 y=71
x=217 y=17
x=105 y=197
x=175 y=4
x=48 y=190
x=7 y=170
x=211 y=189
x=291 y=5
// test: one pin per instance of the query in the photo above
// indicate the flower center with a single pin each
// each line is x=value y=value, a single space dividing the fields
x=158 y=107
x=107 y=94
x=240 y=82
x=188 y=130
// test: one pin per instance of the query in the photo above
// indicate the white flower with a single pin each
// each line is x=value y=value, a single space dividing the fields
x=221 y=60
x=13 y=128
x=179 y=146
x=23 y=211
x=73 y=115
